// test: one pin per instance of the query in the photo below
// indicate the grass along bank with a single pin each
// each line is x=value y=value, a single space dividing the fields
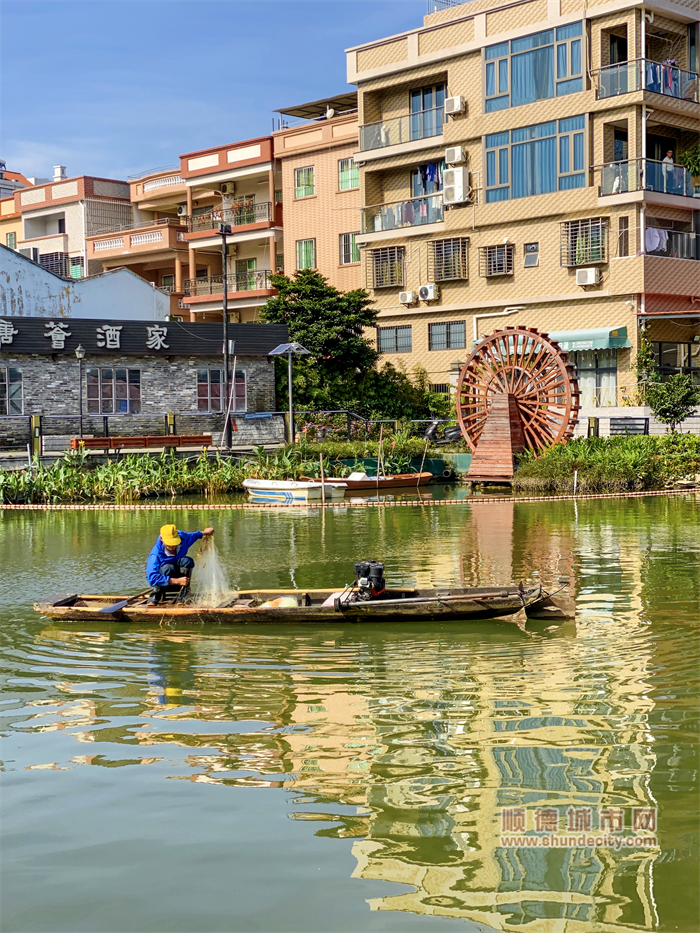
x=610 y=464
x=75 y=479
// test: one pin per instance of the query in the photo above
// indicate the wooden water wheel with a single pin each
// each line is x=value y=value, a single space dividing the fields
x=516 y=391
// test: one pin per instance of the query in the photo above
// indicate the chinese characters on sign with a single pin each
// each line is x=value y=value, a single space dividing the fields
x=156 y=337
x=108 y=336
x=7 y=331
x=57 y=333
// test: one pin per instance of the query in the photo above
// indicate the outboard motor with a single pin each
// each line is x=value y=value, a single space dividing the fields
x=370 y=579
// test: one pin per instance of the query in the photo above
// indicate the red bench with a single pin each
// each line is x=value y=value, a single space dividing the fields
x=149 y=440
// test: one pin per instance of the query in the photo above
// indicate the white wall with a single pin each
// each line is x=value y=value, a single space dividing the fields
x=28 y=290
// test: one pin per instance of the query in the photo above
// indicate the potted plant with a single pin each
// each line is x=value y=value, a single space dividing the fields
x=690 y=160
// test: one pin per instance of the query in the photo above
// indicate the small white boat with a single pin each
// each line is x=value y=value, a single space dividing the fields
x=282 y=490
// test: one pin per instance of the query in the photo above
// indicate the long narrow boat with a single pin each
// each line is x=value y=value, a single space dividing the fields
x=361 y=481
x=322 y=606
x=281 y=490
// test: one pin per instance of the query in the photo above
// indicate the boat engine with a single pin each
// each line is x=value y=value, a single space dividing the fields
x=369 y=575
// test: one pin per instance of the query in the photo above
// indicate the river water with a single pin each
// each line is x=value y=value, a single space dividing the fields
x=359 y=778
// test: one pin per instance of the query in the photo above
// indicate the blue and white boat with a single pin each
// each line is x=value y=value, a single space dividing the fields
x=282 y=490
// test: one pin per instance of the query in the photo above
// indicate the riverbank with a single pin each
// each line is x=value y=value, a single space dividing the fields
x=610 y=464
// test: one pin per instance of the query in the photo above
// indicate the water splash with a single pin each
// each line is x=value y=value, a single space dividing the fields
x=210 y=581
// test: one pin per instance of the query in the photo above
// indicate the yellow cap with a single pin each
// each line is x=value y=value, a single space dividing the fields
x=169 y=535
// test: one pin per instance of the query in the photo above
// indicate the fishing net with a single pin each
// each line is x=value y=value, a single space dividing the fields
x=210 y=583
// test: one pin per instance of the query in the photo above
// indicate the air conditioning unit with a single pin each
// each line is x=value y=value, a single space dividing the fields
x=455 y=186
x=454 y=105
x=587 y=276
x=182 y=211
x=429 y=292
x=455 y=154
x=407 y=298
x=228 y=188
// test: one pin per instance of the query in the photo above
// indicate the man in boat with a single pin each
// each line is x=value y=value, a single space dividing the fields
x=169 y=568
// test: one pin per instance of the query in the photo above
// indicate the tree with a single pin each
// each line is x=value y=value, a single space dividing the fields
x=672 y=401
x=646 y=368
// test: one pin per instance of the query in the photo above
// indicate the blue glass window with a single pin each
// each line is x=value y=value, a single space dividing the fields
x=578 y=152
x=491 y=78
x=503 y=76
x=491 y=168
x=564 y=158
x=535 y=41
x=503 y=166
x=568 y=32
x=496 y=51
x=497 y=103
x=562 y=68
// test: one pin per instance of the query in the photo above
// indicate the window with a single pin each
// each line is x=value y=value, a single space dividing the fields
x=427 y=111
x=583 y=242
x=304 y=185
x=10 y=391
x=349 y=250
x=395 y=339
x=623 y=236
x=348 y=175
x=11 y=240
x=61 y=224
x=597 y=377
x=55 y=262
x=533 y=67
x=306 y=254
x=245 y=279
x=167 y=281
x=536 y=159
x=280 y=262
x=442 y=387
x=448 y=259
x=386 y=267
x=496 y=260
x=532 y=255
x=672 y=358
x=450 y=335
x=113 y=391
x=76 y=267
x=211 y=391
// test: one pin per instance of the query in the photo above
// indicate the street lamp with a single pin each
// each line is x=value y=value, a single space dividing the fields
x=224 y=230
x=80 y=356
x=290 y=349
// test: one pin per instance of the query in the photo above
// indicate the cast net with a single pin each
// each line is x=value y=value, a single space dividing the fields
x=210 y=583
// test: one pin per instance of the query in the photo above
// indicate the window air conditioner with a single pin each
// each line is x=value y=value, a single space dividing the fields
x=455 y=188
x=407 y=298
x=587 y=276
x=182 y=211
x=455 y=154
x=454 y=105
x=228 y=188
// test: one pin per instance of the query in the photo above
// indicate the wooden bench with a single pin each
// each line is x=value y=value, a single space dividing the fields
x=629 y=426
x=149 y=440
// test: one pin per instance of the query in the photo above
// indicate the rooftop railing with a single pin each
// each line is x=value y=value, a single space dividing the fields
x=167 y=181
x=421 y=125
x=246 y=212
x=409 y=213
x=237 y=282
x=646 y=175
x=641 y=74
x=160 y=222
x=154 y=171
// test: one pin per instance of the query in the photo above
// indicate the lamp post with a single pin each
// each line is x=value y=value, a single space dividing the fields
x=80 y=356
x=290 y=349
x=224 y=230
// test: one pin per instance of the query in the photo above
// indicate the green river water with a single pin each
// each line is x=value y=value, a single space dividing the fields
x=357 y=778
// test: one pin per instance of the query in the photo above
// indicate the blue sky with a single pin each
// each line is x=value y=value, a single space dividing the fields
x=114 y=87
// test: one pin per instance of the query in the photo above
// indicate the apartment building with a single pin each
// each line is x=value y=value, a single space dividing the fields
x=175 y=241
x=57 y=217
x=315 y=149
x=10 y=222
x=11 y=181
x=519 y=165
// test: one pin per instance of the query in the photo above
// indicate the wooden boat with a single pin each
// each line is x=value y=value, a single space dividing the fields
x=279 y=490
x=362 y=482
x=323 y=606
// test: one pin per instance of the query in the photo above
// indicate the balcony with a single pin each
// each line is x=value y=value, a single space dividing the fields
x=259 y=280
x=421 y=125
x=644 y=75
x=168 y=181
x=152 y=235
x=411 y=213
x=239 y=215
x=645 y=175
x=672 y=244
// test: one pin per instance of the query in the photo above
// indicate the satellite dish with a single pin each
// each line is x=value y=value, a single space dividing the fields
x=330 y=112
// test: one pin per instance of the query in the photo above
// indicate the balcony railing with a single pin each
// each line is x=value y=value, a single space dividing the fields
x=405 y=129
x=167 y=182
x=410 y=213
x=161 y=222
x=153 y=171
x=672 y=244
x=237 y=282
x=247 y=212
x=646 y=175
x=644 y=75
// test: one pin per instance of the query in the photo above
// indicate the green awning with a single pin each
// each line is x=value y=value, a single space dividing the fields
x=605 y=338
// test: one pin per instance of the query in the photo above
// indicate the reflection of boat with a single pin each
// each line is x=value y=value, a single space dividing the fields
x=361 y=481
x=323 y=606
x=277 y=490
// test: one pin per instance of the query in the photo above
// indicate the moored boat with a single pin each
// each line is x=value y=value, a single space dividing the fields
x=276 y=490
x=362 y=482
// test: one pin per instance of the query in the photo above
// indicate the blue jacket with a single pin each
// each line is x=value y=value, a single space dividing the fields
x=160 y=556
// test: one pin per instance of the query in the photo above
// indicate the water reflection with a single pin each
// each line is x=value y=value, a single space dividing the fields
x=412 y=742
